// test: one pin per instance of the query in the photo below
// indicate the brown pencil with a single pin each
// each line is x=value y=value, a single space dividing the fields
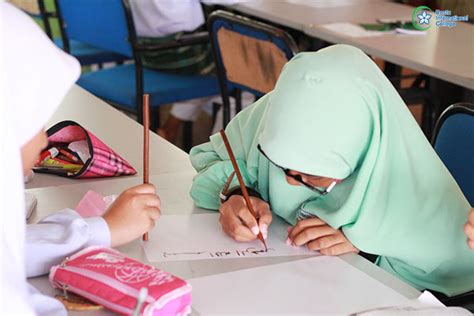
x=241 y=183
x=146 y=144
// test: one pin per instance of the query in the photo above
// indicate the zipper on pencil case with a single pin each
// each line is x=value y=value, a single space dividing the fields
x=108 y=281
x=94 y=298
x=76 y=255
x=51 y=131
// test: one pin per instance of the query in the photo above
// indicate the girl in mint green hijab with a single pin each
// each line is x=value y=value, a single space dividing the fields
x=334 y=121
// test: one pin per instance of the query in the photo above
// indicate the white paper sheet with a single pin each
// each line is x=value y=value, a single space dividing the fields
x=200 y=236
x=30 y=205
x=428 y=299
x=323 y=3
x=352 y=30
x=328 y=3
x=320 y=285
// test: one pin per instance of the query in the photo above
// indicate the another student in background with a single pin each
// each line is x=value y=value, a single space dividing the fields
x=158 y=21
x=335 y=152
x=36 y=76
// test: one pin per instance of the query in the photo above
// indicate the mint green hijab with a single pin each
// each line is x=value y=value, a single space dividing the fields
x=334 y=114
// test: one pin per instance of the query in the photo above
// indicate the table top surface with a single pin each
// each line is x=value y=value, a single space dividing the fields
x=443 y=53
x=305 y=13
x=172 y=175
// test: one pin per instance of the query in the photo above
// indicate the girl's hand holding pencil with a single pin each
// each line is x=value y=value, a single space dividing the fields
x=469 y=229
x=132 y=214
x=238 y=222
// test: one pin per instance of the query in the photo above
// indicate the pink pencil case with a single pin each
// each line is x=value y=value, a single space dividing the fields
x=102 y=161
x=107 y=277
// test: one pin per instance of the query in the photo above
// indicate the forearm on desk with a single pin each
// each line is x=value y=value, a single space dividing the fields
x=60 y=235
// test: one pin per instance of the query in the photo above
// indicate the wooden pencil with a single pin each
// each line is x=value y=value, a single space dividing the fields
x=241 y=183
x=146 y=144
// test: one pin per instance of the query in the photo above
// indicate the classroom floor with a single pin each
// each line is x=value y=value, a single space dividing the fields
x=201 y=127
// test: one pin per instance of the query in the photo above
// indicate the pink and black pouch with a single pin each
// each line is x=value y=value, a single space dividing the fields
x=101 y=160
x=107 y=277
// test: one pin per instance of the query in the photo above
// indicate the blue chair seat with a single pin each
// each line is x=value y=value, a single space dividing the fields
x=117 y=85
x=455 y=146
x=88 y=55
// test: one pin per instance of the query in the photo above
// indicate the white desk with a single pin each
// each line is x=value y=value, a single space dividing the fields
x=301 y=14
x=173 y=178
x=443 y=53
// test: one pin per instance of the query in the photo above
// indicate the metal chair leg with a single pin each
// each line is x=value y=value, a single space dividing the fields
x=155 y=122
x=427 y=119
x=238 y=100
x=187 y=136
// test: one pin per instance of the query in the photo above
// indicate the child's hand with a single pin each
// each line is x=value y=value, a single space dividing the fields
x=469 y=229
x=132 y=214
x=239 y=223
x=317 y=235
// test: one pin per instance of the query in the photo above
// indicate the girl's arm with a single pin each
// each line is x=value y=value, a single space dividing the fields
x=60 y=235
x=212 y=163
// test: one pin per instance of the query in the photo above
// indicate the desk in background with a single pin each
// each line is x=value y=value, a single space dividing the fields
x=443 y=53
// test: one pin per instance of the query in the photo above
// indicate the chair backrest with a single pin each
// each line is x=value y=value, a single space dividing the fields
x=100 y=23
x=453 y=140
x=249 y=55
x=29 y=7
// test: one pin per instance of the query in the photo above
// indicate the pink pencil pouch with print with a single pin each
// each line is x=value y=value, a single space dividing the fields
x=107 y=277
x=97 y=159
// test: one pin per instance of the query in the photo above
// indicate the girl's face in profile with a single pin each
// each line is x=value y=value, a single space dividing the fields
x=32 y=150
x=314 y=181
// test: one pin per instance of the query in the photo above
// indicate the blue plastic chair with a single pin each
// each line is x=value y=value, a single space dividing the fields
x=243 y=29
x=453 y=140
x=109 y=25
x=85 y=53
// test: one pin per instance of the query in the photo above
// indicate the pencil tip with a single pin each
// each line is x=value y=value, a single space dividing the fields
x=265 y=245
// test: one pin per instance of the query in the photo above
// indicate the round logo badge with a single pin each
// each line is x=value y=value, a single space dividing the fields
x=421 y=18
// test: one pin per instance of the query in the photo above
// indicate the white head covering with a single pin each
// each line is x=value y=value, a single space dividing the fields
x=34 y=77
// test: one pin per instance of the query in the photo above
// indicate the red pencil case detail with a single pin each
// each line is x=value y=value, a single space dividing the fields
x=103 y=161
x=107 y=277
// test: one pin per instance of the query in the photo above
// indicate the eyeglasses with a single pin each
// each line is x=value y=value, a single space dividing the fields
x=297 y=177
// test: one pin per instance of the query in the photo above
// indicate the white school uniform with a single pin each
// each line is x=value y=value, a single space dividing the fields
x=34 y=77
x=158 y=18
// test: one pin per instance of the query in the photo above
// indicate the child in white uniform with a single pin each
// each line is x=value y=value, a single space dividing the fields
x=35 y=76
